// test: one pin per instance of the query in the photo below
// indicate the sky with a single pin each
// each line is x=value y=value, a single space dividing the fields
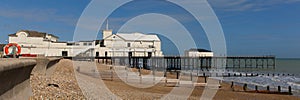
x=251 y=27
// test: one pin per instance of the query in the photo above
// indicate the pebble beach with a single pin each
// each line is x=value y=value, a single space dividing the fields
x=62 y=85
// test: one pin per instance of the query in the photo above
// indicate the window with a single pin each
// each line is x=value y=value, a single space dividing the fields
x=77 y=44
x=90 y=43
x=151 y=46
x=128 y=44
x=102 y=43
x=85 y=44
x=70 y=44
x=23 y=34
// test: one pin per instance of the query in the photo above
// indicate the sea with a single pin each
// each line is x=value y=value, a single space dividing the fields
x=286 y=73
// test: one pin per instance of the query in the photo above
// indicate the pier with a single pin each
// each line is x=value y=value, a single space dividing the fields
x=188 y=63
x=191 y=63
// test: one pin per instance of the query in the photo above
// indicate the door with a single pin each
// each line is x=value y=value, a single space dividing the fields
x=64 y=53
x=97 y=54
x=149 y=54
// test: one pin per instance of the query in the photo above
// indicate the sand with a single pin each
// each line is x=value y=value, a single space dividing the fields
x=67 y=87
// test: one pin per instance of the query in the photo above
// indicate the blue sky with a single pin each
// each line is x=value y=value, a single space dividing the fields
x=251 y=27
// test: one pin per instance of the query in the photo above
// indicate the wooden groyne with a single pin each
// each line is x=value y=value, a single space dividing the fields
x=266 y=90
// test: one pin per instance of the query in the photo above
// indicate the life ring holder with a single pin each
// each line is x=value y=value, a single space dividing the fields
x=10 y=45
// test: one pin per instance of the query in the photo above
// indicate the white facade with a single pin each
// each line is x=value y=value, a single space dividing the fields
x=119 y=44
x=138 y=44
x=199 y=53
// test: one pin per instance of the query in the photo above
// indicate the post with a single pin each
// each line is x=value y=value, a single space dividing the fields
x=290 y=90
x=191 y=76
x=177 y=76
x=78 y=69
x=245 y=87
x=256 y=88
x=139 y=71
x=15 y=54
x=106 y=60
x=232 y=84
x=112 y=61
x=111 y=73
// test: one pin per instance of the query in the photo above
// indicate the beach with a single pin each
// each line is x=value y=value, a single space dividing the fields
x=62 y=84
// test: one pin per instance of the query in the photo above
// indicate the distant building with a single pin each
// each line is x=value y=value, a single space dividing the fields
x=119 y=44
x=199 y=53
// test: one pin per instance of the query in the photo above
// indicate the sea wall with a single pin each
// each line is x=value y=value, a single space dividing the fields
x=14 y=78
x=15 y=75
x=45 y=65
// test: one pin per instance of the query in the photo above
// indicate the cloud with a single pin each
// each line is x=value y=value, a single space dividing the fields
x=37 y=15
x=248 y=5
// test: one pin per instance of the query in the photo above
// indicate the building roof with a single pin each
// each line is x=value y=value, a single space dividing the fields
x=138 y=37
x=200 y=50
x=1 y=47
x=33 y=34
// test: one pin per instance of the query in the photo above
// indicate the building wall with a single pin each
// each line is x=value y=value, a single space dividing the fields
x=200 y=54
x=114 y=46
x=54 y=39
x=27 y=41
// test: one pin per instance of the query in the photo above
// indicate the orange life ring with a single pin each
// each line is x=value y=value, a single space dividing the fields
x=10 y=45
